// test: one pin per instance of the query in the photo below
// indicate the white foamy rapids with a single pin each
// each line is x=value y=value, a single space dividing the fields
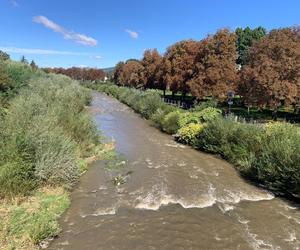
x=105 y=211
x=225 y=207
x=237 y=196
x=101 y=211
x=292 y=237
x=252 y=238
x=174 y=145
x=156 y=199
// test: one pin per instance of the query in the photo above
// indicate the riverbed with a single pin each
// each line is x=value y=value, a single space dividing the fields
x=175 y=198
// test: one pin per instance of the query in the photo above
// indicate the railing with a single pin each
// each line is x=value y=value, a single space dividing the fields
x=177 y=103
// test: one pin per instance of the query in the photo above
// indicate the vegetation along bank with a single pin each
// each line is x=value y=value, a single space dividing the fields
x=45 y=136
x=268 y=154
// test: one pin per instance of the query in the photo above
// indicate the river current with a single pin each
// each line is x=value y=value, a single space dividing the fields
x=175 y=198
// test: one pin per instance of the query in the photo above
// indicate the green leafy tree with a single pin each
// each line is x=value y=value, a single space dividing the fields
x=23 y=60
x=245 y=39
x=33 y=65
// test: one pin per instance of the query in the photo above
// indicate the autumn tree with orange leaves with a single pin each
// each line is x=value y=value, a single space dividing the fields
x=83 y=74
x=151 y=62
x=117 y=72
x=272 y=76
x=132 y=74
x=179 y=65
x=215 y=70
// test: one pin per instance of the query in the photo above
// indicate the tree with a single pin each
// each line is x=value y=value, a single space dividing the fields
x=23 y=60
x=179 y=65
x=132 y=74
x=151 y=63
x=117 y=73
x=245 y=39
x=215 y=70
x=33 y=66
x=4 y=56
x=273 y=73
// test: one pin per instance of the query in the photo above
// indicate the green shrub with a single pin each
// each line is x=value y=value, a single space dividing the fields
x=278 y=166
x=211 y=103
x=158 y=117
x=187 y=118
x=171 y=122
x=189 y=133
x=44 y=133
x=209 y=114
x=149 y=104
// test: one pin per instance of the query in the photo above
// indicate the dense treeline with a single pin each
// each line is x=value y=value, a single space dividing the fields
x=262 y=68
x=268 y=155
x=81 y=74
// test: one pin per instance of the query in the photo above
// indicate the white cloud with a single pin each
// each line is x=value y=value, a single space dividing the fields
x=68 y=35
x=97 y=57
x=132 y=33
x=41 y=51
x=14 y=3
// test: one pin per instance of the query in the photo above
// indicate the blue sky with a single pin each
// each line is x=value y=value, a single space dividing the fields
x=93 y=33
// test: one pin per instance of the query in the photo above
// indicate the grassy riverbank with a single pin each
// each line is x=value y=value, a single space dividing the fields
x=268 y=155
x=46 y=135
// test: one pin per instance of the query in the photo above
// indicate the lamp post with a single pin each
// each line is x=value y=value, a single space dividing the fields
x=230 y=96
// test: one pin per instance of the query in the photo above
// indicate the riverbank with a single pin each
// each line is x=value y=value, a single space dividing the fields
x=47 y=138
x=268 y=156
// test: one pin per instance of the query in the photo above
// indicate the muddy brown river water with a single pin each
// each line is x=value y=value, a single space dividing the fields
x=175 y=198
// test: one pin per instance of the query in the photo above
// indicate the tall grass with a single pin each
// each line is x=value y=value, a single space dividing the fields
x=44 y=133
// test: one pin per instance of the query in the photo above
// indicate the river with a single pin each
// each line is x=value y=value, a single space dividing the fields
x=175 y=198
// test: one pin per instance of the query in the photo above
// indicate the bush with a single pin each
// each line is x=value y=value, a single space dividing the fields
x=187 y=118
x=211 y=103
x=209 y=114
x=170 y=122
x=159 y=115
x=43 y=135
x=189 y=133
x=149 y=104
x=278 y=165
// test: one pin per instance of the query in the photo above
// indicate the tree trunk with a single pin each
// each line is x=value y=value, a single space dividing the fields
x=274 y=114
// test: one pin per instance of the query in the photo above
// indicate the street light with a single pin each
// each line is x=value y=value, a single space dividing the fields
x=230 y=96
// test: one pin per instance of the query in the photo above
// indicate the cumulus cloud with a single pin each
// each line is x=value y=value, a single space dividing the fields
x=68 y=35
x=132 y=33
x=24 y=51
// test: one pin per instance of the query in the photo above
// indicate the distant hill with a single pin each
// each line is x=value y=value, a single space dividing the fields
x=108 y=70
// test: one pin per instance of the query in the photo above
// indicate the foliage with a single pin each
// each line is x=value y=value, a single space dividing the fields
x=171 y=122
x=4 y=56
x=213 y=103
x=43 y=135
x=273 y=73
x=245 y=39
x=180 y=61
x=215 y=70
x=151 y=62
x=278 y=165
x=209 y=114
x=189 y=133
x=82 y=74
